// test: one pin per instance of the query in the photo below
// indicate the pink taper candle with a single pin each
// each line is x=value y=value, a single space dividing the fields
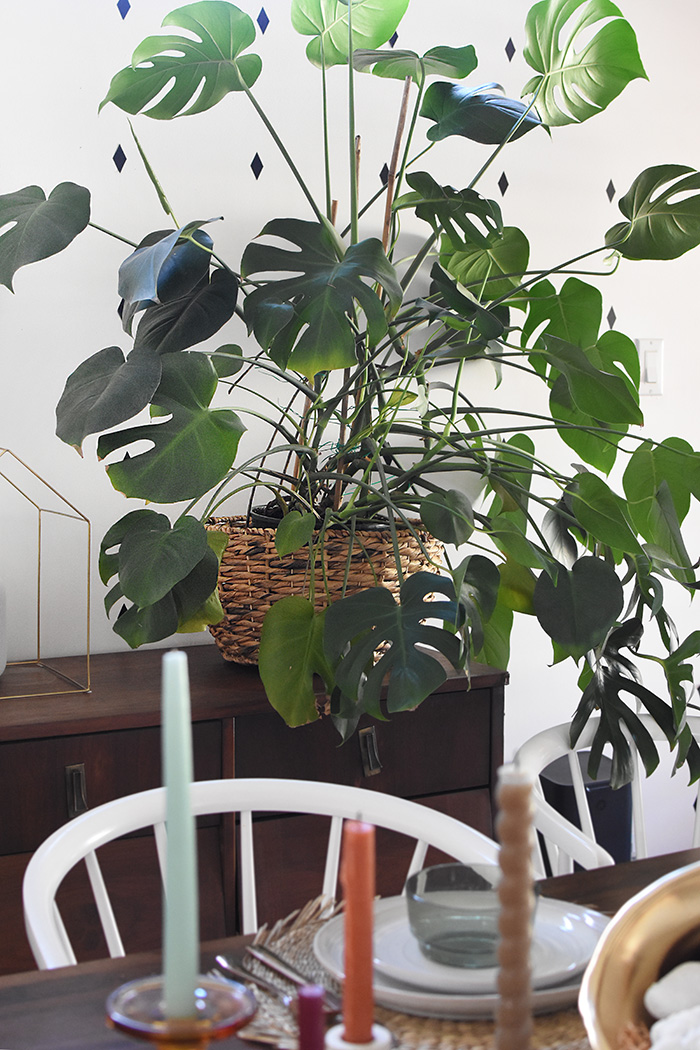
x=517 y=901
x=358 y=876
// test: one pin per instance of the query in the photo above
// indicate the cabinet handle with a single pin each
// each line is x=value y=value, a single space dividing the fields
x=369 y=749
x=76 y=793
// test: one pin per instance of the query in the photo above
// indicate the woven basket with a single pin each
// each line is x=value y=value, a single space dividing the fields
x=253 y=577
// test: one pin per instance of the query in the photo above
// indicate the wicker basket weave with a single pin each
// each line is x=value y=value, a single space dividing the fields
x=253 y=576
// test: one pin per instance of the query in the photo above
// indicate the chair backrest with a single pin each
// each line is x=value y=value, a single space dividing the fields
x=81 y=837
x=564 y=843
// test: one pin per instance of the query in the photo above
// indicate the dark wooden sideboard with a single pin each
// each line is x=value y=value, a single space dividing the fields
x=59 y=754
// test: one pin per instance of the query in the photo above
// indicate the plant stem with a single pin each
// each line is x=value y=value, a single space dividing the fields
x=283 y=150
x=354 y=232
x=391 y=180
x=409 y=137
x=111 y=233
x=423 y=252
x=164 y=202
x=326 y=143
x=489 y=161
x=365 y=207
x=541 y=274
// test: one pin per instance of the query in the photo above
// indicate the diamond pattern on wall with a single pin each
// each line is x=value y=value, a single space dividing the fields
x=510 y=49
x=123 y=7
x=610 y=190
x=119 y=158
x=256 y=165
x=384 y=174
x=263 y=20
x=393 y=39
x=503 y=184
x=611 y=317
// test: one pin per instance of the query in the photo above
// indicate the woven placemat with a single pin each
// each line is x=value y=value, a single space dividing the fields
x=293 y=940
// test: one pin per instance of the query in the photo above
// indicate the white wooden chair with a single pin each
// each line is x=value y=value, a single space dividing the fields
x=559 y=834
x=81 y=837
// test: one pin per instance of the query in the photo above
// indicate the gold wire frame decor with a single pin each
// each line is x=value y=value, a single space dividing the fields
x=45 y=560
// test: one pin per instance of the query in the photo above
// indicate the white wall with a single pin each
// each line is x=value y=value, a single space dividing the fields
x=64 y=308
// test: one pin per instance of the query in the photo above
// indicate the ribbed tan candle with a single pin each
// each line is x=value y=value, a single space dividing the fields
x=517 y=900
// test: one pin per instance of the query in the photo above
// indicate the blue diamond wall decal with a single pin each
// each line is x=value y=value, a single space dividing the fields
x=263 y=20
x=256 y=165
x=119 y=158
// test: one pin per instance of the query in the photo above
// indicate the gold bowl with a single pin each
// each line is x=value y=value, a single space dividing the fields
x=657 y=929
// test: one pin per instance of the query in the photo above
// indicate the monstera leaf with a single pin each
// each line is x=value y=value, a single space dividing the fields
x=191 y=319
x=593 y=440
x=596 y=392
x=679 y=674
x=372 y=618
x=658 y=482
x=326 y=21
x=291 y=653
x=104 y=391
x=495 y=650
x=212 y=62
x=162 y=267
x=455 y=62
x=477 y=583
x=480 y=114
x=168 y=573
x=673 y=462
x=303 y=320
x=585 y=54
x=153 y=556
x=35 y=226
x=578 y=608
x=556 y=528
x=191 y=451
x=448 y=516
x=663 y=219
x=603 y=514
x=452 y=210
x=604 y=690
x=573 y=314
x=468 y=312
x=487 y=269
x=294 y=531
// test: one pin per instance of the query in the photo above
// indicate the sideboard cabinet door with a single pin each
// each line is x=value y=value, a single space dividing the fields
x=37 y=793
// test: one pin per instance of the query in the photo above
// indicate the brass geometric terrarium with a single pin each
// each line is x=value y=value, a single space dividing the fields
x=45 y=555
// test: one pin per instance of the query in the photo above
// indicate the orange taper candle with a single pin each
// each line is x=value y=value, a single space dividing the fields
x=517 y=900
x=357 y=875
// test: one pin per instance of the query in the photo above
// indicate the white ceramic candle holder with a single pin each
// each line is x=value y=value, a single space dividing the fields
x=382 y=1039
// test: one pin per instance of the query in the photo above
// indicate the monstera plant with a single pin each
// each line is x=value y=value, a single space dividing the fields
x=376 y=345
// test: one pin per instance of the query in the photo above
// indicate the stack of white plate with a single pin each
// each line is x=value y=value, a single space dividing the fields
x=564 y=937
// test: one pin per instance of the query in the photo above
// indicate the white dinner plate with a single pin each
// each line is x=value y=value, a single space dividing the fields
x=563 y=925
x=562 y=943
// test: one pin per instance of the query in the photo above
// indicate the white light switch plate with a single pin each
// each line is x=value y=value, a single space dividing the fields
x=651 y=360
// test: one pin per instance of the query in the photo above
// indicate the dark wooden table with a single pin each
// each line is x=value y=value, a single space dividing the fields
x=64 y=1009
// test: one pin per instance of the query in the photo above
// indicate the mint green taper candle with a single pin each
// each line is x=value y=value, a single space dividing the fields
x=181 y=906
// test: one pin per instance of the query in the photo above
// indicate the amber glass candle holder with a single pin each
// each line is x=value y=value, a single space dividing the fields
x=222 y=1007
